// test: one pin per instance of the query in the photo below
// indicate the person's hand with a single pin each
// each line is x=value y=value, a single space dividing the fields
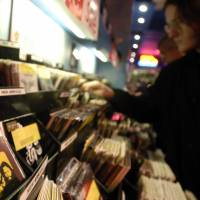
x=98 y=88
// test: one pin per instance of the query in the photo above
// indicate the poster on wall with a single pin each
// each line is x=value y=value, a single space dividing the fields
x=90 y=16
x=87 y=11
x=75 y=7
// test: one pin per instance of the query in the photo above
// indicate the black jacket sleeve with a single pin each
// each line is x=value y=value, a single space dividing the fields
x=144 y=108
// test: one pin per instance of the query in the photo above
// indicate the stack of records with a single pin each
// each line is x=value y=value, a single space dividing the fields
x=156 y=189
x=18 y=74
x=75 y=180
x=63 y=80
x=77 y=97
x=45 y=80
x=110 y=159
x=115 y=126
x=65 y=122
x=156 y=169
x=50 y=191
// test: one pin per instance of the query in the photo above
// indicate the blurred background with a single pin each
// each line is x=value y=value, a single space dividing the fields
x=115 y=39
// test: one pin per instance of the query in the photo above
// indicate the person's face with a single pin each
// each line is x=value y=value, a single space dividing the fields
x=183 y=35
x=165 y=55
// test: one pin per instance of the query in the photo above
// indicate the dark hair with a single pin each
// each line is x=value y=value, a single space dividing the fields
x=171 y=2
x=189 y=10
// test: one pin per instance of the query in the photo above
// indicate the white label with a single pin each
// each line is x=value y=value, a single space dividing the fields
x=11 y=91
x=24 y=195
x=68 y=141
x=9 y=44
x=2 y=133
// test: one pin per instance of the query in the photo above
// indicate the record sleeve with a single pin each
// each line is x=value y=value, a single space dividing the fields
x=28 y=140
x=11 y=173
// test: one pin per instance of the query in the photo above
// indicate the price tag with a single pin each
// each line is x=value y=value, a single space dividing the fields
x=25 y=136
x=11 y=91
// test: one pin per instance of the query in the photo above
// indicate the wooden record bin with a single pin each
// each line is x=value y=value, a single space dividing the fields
x=34 y=108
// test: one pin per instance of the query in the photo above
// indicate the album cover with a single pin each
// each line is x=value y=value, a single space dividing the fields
x=157 y=169
x=65 y=122
x=28 y=140
x=35 y=183
x=75 y=179
x=11 y=173
x=93 y=192
x=5 y=76
x=109 y=159
x=45 y=80
x=28 y=77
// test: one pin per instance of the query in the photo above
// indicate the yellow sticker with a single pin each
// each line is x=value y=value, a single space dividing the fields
x=86 y=121
x=93 y=193
x=25 y=136
x=26 y=68
x=6 y=172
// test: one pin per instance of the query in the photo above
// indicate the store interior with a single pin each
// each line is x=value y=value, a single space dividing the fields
x=60 y=141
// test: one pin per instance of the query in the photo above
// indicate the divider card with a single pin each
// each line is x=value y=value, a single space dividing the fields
x=25 y=136
x=29 y=140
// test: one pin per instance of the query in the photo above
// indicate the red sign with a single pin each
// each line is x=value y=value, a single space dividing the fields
x=90 y=15
x=76 y=7
x=87 y=11
x=113 y=56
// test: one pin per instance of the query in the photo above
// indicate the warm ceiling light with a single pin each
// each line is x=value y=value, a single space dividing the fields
x=141 y=20
x=135 y=46
x=137 y=37
x=143 y=8
x=133 y=54
x=131 y=60
x=76 y=54
x=100 y=55
x=93 y=5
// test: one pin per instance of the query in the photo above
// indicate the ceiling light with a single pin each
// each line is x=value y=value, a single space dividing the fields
x=143 y=8
x=87 y=60
x=100 y=55
x=76 y=54
x=133 y=54
x=137 y=37
x=93 y=5
x=135 y=46
x=141 y=20
x=131 y=60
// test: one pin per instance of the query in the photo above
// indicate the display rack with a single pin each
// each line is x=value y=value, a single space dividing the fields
x=41 y=103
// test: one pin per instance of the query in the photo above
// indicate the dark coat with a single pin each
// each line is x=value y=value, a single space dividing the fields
x=172 y=104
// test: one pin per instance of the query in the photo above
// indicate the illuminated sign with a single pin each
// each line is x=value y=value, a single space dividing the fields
x=147 y=61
